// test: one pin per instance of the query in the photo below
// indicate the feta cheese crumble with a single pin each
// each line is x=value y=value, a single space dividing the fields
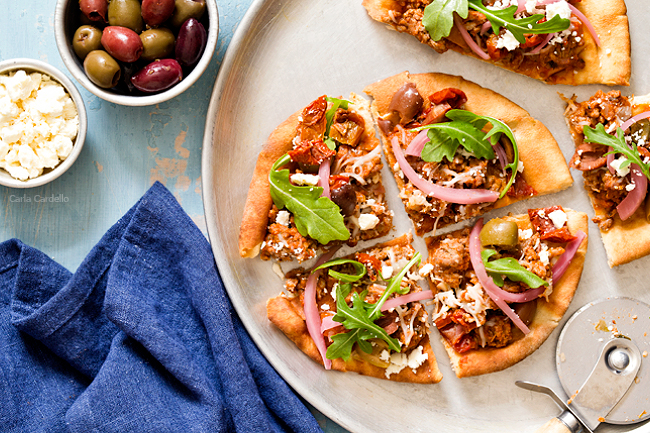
x=560 y=8
x=283 y=218
x=558 y=217
x=620 y=171
x=368 y=221
x=304 y=179
x=38 y=123
x=508 y=41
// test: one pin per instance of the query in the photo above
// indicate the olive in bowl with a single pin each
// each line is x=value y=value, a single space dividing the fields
x=143 y=57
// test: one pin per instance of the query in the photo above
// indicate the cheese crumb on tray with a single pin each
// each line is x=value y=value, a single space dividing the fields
x=38 y=124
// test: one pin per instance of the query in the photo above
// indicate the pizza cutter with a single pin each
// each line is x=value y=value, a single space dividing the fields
x=603 y=365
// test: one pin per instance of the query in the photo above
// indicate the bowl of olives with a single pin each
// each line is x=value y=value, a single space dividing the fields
x=136 y=52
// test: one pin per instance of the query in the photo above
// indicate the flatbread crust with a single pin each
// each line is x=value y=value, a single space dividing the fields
x=547 y=316
x=608 y=64
x=545 y=169
x=258 y=202
x=283 y=314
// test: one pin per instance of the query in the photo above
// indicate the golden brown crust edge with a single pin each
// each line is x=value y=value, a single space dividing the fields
x=608 y=64
x=547 y=170
x=546 y=319
x=283 y=315
x=258 y=201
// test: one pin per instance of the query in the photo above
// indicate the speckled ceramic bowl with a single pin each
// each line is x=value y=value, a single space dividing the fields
x=31 y=65
x=66 y=22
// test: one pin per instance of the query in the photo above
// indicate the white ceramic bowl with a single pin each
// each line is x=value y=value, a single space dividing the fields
x=31 y=65
x=66 y=22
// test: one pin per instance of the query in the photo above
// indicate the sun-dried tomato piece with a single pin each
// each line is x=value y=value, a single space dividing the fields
x=372 y=264
x=520 y=188
x=452 y=96
x=312 y=122
x=541 y=222
x=347 y=127
x=311 y=152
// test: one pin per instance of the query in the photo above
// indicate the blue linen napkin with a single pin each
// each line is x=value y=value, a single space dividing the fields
x=142 y=338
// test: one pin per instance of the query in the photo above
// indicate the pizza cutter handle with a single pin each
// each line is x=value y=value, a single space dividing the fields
x=564 y=423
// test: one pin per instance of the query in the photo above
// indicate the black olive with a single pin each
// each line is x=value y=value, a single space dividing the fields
x=407 y=102
x=345 y=197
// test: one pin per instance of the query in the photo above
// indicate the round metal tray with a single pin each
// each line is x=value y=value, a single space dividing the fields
x=283 y=56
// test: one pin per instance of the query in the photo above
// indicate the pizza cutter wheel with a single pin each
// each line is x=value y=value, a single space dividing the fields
x=602 y=361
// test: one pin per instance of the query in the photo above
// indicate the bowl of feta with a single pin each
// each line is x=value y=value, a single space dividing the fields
x=43 y=123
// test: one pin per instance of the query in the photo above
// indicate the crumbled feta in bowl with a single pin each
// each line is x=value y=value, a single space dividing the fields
x=42 y=123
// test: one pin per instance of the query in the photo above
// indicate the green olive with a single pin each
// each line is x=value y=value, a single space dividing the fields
x=126 y=13
x=186 y=9
x=102 y=69
x=86 y=39
x=499 y=232
x=158 y=43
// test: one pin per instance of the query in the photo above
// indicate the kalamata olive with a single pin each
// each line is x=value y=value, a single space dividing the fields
x=157 y=76
x=122 y=43
x=499 y=232
x=407 y=102
x=126 y=13
x=186 y=9
x=94 y=10
x=157 y=43
x=156 y=12
x=190 y=43
x=86 y=39
x=345 y=197
x=526 y=311
x=640 y=130
x=102 y=69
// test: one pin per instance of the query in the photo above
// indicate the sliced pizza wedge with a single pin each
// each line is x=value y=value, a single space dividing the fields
x=554 y=41
x=501 y=288
x=612 y=137
x=361 y=313
x=317 y=182
x=457 y=150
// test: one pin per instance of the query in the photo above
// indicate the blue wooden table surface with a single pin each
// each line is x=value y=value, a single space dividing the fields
x=127 y=149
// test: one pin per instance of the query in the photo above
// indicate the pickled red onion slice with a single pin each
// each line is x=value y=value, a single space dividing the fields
x=485 y=27
x=634 y=198
x=405 y=299
x=417 y=144
x=542 y=44
x=610 y=159
x=564 y=260
x=312 y=316
x=493 y=291
x=586 y=22
x=324 y=177
x=468 y=39
x=521 y=6
x=450 y=195
x=501 y=155
x=328 y=323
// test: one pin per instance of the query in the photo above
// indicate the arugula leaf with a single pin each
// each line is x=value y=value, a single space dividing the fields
x=438 y=18
x=360 y=318
x=445 y=137
x=315 y=216
x=510 y=268
x=361 y=325
x=346 y=278
x=494 y=135
x=519 y=26
x=617 y=142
